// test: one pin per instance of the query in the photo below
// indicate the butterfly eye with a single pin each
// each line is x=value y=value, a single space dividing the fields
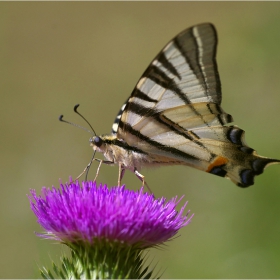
x=98 y=141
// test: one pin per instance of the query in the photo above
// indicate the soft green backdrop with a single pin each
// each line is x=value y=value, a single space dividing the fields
x=54 y=55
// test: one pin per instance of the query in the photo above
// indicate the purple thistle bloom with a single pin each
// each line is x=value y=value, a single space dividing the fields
x=91 y=213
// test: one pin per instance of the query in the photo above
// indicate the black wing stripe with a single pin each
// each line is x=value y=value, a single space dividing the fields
x=147 y=112
x=129 y=129
x=159 y=77
x=179 y=45
x=218 y=87
x=168 y=65
x=156 y=75
x=199 y=54
x=141 y=95
x=174 y=127
x=210 y=75
x=190 y=50
x=123 y=145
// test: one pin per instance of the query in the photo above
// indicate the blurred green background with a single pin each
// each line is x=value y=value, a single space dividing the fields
x=55 y=55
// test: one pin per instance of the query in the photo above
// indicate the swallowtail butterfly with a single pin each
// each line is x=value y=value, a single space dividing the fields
x=174 y=116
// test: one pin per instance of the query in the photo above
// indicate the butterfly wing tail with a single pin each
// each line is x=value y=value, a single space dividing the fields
x=241 y=172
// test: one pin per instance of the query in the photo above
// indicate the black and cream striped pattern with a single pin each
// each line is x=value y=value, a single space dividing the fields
x=173 y=115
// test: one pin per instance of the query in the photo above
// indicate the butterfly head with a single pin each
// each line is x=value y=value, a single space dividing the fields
x=106 y=144
x=97 y=143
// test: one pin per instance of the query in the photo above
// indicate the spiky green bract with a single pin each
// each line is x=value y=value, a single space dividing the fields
x=104 y=260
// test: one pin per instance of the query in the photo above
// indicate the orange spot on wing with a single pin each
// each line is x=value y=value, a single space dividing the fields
x=217 y=162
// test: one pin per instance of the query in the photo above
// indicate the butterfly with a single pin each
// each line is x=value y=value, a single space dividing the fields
x=174 y=117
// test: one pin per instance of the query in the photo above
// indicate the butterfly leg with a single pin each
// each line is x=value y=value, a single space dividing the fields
x=121 y=174
x=86 y=170
x=98 y=168
x=87 y=167
x=97 y=171
x=142 y=178
x=100 y=162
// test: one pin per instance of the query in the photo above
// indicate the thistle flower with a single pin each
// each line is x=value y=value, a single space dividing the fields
x=103 y=223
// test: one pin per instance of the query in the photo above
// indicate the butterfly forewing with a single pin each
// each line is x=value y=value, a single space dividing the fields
x=184 y=72
x=175 y=94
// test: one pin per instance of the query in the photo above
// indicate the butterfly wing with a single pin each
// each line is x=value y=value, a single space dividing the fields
x=174 y=112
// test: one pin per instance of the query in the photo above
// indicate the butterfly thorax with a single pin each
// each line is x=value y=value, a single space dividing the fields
x=118 y=151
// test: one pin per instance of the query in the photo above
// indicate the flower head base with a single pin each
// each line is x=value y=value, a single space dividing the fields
x=90 y=214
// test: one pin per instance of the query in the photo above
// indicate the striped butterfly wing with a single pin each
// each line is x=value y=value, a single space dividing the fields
x=174 y=112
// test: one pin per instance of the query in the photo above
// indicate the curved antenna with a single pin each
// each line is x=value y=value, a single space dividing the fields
x=86 y=170
x=76 y=111
x=62 y=120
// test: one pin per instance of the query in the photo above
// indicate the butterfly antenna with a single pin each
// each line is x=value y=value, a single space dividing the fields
x=74 y=124
x=76 y=111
